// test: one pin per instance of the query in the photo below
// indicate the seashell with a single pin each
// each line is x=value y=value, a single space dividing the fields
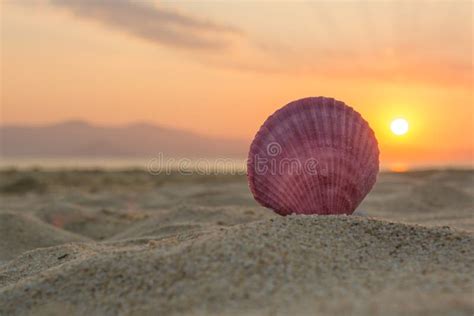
x=313 y=156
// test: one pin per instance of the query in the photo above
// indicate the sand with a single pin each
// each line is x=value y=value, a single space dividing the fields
x=22 y=232
x=127 y=243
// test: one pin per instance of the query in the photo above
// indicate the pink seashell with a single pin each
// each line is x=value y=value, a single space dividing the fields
x=313 y=156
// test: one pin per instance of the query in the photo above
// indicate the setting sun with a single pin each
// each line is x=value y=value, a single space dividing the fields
x=399 y=126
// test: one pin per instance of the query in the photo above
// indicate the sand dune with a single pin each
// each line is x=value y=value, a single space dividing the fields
x=186 y=218
x=199 y=247
x=20 y=232
x=261 y=266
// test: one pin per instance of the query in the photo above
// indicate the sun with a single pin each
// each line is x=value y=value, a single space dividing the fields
x=399 y=126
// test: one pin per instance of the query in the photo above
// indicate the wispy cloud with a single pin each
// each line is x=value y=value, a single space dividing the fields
x=340 y=50
x=159 y=25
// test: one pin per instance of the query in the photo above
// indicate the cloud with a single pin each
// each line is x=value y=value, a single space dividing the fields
x=331 y=49
x=159 y=25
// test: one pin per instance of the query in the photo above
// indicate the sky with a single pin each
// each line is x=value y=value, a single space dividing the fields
x=221 y=68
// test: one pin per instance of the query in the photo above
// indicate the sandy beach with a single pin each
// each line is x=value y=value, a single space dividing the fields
x=170 y=158
x=130 y=243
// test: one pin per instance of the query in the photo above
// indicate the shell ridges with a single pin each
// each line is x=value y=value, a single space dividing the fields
x=315 y=155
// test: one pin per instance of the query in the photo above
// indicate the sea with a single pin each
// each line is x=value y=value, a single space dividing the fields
x=204 y=165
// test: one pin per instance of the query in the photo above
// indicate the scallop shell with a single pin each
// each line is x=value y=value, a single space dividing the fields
x=313 y=156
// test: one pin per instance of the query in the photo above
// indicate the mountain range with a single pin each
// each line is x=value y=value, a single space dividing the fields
x=82 y=139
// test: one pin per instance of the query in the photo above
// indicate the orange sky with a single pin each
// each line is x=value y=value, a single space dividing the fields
x=221 y=68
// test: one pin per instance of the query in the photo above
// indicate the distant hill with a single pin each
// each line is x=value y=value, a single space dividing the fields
x=81 y=139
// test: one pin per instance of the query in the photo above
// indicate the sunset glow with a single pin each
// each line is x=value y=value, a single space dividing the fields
x=219 y=69
x=399 y=126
